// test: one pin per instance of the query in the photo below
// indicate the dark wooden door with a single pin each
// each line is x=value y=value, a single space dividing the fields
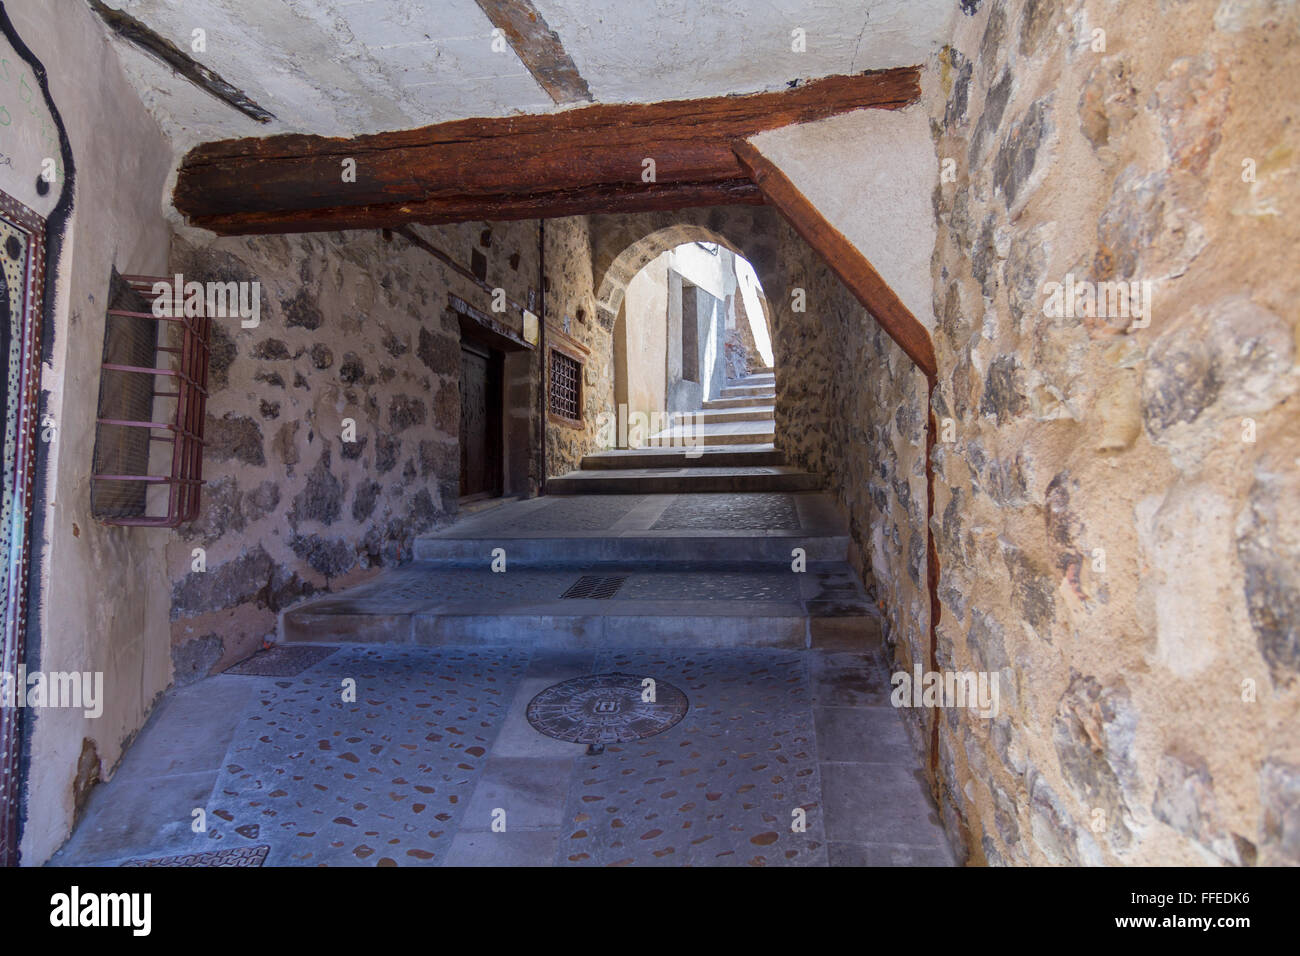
x=481 y=402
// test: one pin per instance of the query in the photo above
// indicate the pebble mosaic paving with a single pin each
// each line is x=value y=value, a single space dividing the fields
x=423 y=585
x=714 y=586
x=413 y=772
x=692 y=514
x=720 y=788
x=379 y=780
x=417 y=585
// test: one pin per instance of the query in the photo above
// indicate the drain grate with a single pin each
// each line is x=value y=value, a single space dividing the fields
x=604 y=709
x=234 y=856
x=595 y=586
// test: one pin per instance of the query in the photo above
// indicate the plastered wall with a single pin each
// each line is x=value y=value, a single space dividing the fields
x=102 y=591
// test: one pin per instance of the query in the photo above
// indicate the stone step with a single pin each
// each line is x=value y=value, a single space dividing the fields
x=683 y=480
x=677 y=438
x=717 y=456
x=634 y=549
x=744 y=413
x=746 y=391
x=758 y=379
x=645 y=529
x=700 y=605
x=746 y=401
x=717 y=433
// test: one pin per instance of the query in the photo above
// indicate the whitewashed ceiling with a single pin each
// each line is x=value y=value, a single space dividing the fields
x=343 y=67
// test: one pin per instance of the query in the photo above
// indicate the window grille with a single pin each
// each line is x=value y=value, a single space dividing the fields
x=141 y=356
x=566 y=386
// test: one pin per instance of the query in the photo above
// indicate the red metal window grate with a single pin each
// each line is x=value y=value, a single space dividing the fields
x=566 y=386
x=153 y=389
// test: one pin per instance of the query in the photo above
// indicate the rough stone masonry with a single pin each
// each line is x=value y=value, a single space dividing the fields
x=1115 y=513
x=357 y=327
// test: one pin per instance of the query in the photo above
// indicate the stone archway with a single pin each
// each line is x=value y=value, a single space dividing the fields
x=624 y=244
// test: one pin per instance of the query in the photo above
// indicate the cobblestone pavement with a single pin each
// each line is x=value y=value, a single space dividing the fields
x=401 y=756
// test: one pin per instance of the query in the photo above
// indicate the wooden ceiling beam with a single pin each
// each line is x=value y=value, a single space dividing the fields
x=538 y=48
x=500 y=208
x=586 y=160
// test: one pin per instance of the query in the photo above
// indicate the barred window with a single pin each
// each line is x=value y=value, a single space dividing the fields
x=566 y=386
x=149 y=392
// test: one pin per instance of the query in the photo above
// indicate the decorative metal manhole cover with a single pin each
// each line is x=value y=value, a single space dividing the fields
x=606 y=709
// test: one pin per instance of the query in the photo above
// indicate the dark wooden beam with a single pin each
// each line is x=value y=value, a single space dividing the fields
x=583 y=160
x=539 y=47
x=844 y=259
x=209 y=81
x=499 y=208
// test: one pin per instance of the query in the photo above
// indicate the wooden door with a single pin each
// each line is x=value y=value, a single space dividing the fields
x=481 y=403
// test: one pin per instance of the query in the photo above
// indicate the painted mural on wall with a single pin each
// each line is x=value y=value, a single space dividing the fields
x=22 y=257
x=14 y=243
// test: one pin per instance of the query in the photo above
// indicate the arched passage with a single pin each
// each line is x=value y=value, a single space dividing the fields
x=691 y=321
x=623 y=245
x=619 y=270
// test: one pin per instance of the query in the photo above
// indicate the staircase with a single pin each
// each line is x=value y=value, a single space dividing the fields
x=719 y=545
x=602 y=571
x=726 y=446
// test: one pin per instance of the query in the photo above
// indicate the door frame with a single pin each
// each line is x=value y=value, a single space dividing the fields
x=13 y=630
x=496 y=418
x=519 y=441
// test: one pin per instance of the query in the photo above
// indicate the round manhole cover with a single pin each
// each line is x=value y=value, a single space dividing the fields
x=606 y=709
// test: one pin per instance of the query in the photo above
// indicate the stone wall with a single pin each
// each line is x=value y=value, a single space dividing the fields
x=852 y=407
x=352 y=327
x=1115 y=512
x=571 y=308
x=740 y=346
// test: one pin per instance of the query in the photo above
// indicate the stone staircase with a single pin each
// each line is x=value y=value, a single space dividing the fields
x=593 y=571
x=726 y=446
x=718 y=544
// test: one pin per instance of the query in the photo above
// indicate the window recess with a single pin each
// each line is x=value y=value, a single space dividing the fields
x=566 y=386
x=148 y=459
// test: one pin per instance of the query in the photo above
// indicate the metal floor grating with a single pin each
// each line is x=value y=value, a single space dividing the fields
x=240 y=856
x=595 y=586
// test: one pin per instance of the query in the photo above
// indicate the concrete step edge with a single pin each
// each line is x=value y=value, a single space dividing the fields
x=681 y=484
x=702 y=548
